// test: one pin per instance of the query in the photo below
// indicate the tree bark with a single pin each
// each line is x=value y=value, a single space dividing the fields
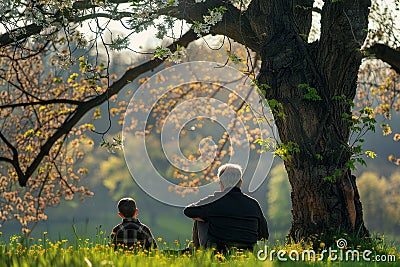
x=315 y=124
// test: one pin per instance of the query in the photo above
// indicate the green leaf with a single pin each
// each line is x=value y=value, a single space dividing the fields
x=330 y=179
x=311 y=94
x=233 y=57
x=286 y=151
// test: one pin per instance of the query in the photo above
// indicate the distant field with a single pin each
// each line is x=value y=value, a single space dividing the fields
x=19 y=251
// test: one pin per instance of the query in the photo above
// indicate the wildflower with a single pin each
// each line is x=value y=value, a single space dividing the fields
x=159 y=239
x=219 y=256
x=72 y=77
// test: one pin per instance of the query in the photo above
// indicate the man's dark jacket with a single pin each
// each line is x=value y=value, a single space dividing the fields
x=233 y=217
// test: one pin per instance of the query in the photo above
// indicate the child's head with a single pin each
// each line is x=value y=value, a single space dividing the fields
x=127 y=207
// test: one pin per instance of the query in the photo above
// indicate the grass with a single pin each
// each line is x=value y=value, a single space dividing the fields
x=22 y=251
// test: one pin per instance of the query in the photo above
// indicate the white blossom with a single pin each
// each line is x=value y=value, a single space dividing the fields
x=166 y=53
x=49 y=30
x=177 y=56
x=213 y=18
x=201 y=28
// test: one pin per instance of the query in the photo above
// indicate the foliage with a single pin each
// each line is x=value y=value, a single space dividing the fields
x=359 y=126
x=311 y=94
x=379 y=89
x=201 y=128
x=286 y=151
x=32 y=112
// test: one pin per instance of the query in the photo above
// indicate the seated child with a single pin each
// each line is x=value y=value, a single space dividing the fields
x=131 y=233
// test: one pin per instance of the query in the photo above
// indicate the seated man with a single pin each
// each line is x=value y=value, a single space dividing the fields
x=228 y=218
x=131 y=233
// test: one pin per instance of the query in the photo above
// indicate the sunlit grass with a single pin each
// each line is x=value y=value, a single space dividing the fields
x=23 y=251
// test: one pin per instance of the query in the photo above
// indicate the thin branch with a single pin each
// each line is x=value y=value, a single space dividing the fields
x=118 y=17
x=7 y=160
x=42 y=103
x=14 y=161
x=19 y=34
x=316 y=10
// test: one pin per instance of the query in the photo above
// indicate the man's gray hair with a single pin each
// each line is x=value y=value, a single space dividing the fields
x=230 y=174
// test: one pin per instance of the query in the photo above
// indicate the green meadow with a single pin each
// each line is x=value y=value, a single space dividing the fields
x=24 y=251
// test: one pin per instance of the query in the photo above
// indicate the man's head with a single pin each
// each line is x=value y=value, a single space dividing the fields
x=230 y=175
x=127 y=208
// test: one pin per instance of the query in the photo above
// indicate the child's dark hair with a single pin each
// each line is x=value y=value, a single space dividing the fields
x=127 y=206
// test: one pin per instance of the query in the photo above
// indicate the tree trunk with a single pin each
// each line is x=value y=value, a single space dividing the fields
x=313 y=120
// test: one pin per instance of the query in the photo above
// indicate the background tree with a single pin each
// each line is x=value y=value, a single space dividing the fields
x=380 y=196
x=313 y=84
x=278 y=202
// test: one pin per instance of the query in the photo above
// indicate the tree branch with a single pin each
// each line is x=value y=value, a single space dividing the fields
x=24 y=32
x=118 y=16
x=83 y=108
x=19 y=34
x=302 y=10
x=234 y=24
x=14 y=161
x=343 y=25
x=43 y=102
x=386 y=54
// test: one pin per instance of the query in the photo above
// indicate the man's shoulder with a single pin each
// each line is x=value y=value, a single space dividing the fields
x=248 y=198
x=208 y=199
